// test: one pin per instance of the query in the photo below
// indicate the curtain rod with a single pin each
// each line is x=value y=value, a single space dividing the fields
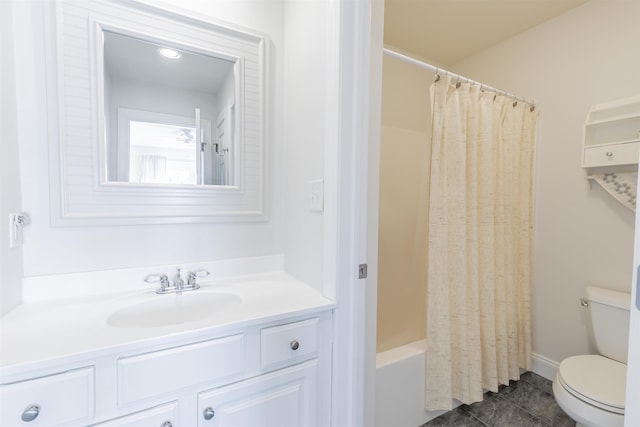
x=438 y=70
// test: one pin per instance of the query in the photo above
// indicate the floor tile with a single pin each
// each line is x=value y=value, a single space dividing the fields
x=559 y=418
x=455 y=418
x=529 y=398
x=525 y=403
x=538 y=381
x=496 y=411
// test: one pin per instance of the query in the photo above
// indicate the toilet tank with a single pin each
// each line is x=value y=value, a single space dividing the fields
x=609 y=314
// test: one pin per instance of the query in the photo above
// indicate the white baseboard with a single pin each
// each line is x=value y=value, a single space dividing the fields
x=544 y=366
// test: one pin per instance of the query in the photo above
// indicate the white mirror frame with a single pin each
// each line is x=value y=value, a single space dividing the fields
x=80 y=193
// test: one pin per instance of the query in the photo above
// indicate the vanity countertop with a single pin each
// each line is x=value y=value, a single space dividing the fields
x=36 y=333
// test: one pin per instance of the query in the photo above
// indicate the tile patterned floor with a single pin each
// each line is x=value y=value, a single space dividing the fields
x=525 y=403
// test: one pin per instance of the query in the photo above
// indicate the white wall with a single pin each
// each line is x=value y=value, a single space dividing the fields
x=293 y=157
x=582 y=235
x=151 y=97
x=226 y=94
x=10 y=202
x=50 y=250
x=305 y=87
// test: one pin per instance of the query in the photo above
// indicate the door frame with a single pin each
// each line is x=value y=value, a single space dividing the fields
x=632 y=410
x=351 y=210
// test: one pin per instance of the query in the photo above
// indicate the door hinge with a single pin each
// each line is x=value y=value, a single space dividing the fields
x=362 y=271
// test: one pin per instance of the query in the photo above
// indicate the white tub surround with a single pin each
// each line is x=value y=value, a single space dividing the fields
x=400 y=390
x=270 y=350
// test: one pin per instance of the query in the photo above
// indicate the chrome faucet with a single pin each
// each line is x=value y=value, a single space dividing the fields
x=178 y=285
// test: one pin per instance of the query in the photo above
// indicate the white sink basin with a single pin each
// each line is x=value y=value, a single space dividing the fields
x=173 y=309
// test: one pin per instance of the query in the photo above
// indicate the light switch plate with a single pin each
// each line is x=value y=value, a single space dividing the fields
x=316 y=195
x=17 y=221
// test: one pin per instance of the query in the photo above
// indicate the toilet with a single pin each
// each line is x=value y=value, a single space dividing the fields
x=591 y=388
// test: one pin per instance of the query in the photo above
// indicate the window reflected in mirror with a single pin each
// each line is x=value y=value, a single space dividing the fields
x=162 y=154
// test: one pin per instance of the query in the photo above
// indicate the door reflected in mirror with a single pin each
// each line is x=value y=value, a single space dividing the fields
x=169 y=114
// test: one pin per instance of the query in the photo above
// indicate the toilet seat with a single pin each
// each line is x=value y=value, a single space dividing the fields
x=596 y=380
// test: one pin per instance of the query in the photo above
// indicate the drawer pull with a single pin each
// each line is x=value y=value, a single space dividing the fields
x=295 y=345
x=167 y=424
x=31 y=413
x=208 y=413
x=609 y=153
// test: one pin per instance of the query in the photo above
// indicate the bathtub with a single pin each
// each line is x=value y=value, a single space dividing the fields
x=400 y=387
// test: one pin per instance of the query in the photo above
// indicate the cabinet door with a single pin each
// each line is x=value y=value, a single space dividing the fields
x=160 y=416
x=284 y=398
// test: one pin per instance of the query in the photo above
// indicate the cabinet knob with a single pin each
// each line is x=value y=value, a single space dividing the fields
x=31 y=413
x=167 y=424
x=208 y=413
x=609 y=153
x=294 y=345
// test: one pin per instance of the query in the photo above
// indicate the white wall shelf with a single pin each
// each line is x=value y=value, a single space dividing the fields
x=612 y=134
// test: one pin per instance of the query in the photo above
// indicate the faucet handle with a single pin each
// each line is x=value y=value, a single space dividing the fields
x=193 y=275
x=155 y=278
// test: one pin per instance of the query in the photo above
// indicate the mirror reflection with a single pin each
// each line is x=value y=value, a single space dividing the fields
x=169 y=114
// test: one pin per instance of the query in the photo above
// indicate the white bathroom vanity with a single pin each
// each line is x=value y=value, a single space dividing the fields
x=262 y=356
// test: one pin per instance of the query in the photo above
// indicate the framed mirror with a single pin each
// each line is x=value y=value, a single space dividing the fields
x=160 y=116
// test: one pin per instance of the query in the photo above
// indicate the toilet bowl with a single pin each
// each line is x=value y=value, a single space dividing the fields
x=591 y=388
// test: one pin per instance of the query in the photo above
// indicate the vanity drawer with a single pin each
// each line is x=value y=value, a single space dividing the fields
x=290 y=343
x=160 y=416
x=154 y=374
x=56 y=400
x=611 y=155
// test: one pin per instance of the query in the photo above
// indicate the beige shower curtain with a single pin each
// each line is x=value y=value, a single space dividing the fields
x=480 y=240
